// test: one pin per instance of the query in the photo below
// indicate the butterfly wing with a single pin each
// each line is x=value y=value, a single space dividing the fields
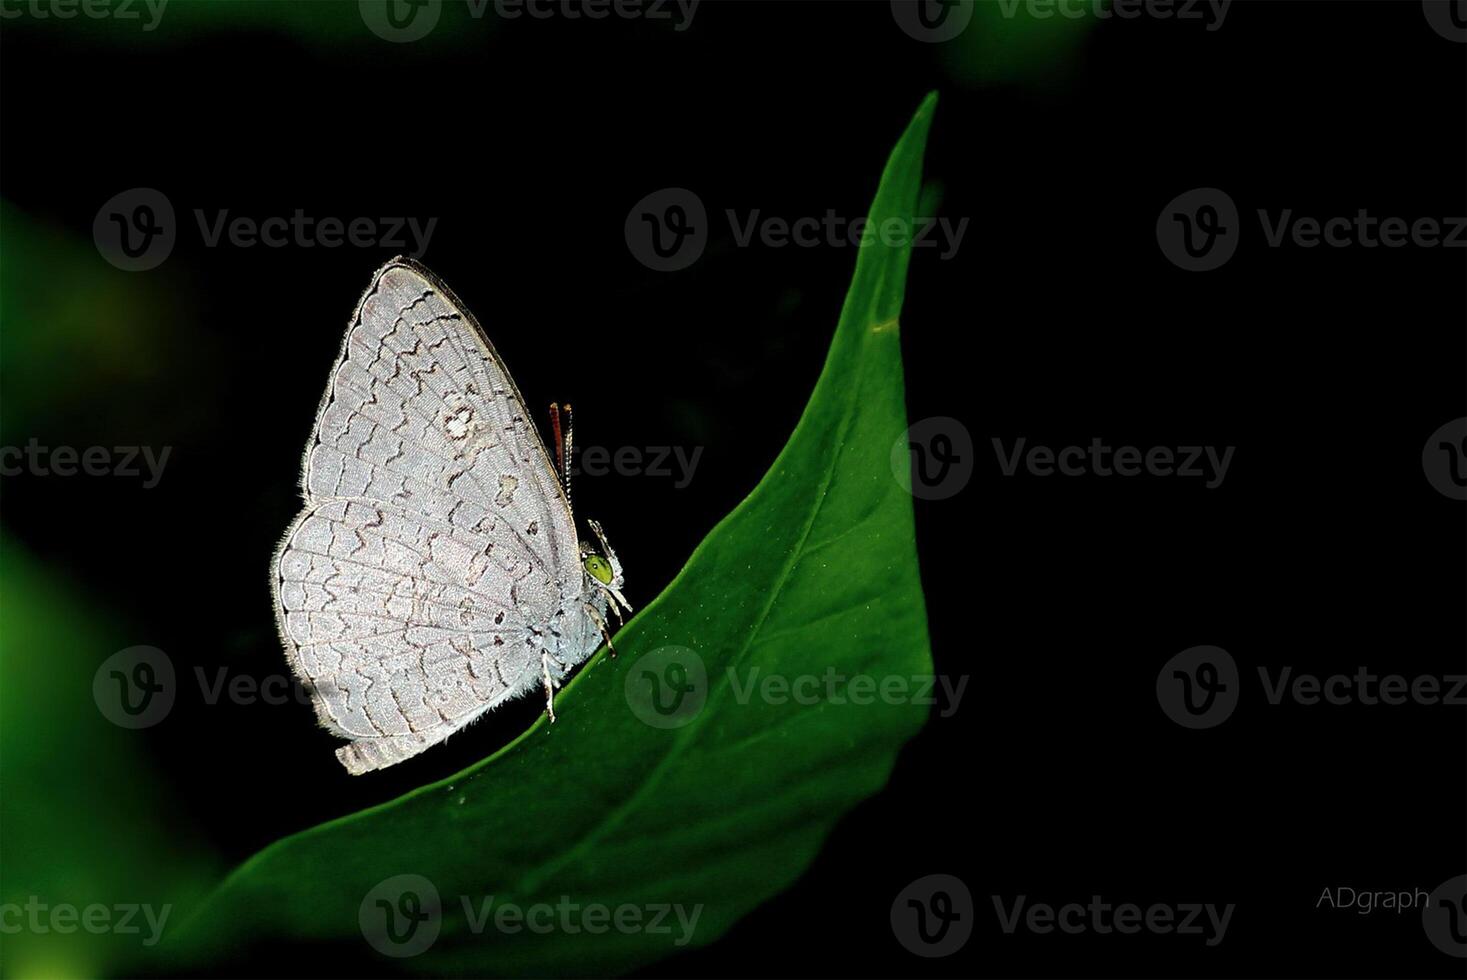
x=435 y=544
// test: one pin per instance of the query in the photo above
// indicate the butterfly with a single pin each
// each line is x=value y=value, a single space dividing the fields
x=435 y=570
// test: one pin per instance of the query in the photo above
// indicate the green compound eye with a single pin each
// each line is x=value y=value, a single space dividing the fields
x=599 y=568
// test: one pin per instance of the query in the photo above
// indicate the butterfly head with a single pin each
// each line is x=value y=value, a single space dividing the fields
x=598 y=567
x=603 y=567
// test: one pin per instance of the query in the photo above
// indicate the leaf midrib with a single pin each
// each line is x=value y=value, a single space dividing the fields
x=532 y=881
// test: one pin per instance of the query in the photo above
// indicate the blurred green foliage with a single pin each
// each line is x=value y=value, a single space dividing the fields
x=1006 y=44
x=82 y=819
x=310 y=22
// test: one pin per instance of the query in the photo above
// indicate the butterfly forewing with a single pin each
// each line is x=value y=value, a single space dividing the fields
x=422 y=413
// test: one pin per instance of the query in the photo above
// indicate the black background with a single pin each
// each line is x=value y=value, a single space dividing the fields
x=1058 y=320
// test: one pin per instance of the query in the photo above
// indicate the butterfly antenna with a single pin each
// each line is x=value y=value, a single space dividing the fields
x=562 y=438
x=566 y=457
x=555 y=433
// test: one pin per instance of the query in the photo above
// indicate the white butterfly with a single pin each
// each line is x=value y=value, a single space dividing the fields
x=435 y=570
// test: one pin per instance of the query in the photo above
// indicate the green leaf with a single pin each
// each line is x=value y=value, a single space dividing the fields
x=813 y=575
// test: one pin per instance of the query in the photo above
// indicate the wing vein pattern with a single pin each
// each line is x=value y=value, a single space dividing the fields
x=435 y=557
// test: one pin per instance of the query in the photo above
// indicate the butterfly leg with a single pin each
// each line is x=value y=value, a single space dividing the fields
x=601 y=624
x=549 y=685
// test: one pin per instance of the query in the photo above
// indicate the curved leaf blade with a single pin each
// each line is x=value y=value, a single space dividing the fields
x=813 y=575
